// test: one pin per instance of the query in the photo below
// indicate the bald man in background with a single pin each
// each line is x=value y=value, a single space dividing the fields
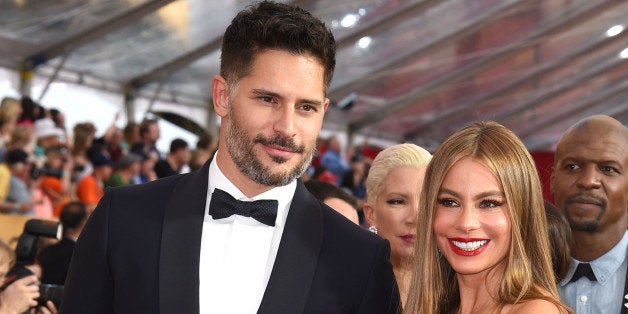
x=590 y=187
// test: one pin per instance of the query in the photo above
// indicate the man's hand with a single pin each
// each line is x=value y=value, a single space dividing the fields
x=19 y=296
x=49 y=308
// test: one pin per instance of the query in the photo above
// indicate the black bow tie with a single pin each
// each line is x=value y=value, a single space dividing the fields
x=583 y=269
x=223 y=205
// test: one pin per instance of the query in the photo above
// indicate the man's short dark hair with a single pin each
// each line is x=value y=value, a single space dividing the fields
x=73 y=214
x=145 y=125
x=270 y=25
x=205 y=141
x=177 y=144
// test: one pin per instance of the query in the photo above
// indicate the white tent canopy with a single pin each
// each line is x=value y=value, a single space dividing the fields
x=410 y=71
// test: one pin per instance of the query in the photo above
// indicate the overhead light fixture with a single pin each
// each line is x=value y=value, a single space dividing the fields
x=364 y=42
x=624 y=54
x=614 y=30
x=347 y=102
x=349 y=20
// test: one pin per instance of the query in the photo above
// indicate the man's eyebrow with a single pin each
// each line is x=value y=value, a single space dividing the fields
x=263 y=92
x=602 y=160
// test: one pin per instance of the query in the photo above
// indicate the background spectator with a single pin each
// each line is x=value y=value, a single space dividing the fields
x=23 y=137
x=560 y=240
x=19 y=191
x=83 y=139
x=20 y=295
x=59 y=119
x=91 y=187
x=333 y=160
x=590 y=188
x=149 y=134
x=126 y=169
x=334 y=197
x=55 y=259
x=178 y=157
x=391 y=209
x=10 y=111
x=204 y=149
x=48 y=135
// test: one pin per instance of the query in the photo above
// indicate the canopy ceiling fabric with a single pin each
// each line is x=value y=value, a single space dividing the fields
x=413 y=71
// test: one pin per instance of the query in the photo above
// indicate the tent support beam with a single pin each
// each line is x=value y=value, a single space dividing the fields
x=437 y=117
x=52 y=78
x=474 y=25
x=92 y=33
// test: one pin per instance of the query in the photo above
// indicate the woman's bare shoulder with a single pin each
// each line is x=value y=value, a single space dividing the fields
x=535 y=306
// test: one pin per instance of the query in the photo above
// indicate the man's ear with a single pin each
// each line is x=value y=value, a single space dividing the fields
x=220 y=95
x=369 y=214
x=326 y=105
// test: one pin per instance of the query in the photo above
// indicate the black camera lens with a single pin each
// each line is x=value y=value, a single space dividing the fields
x=50 y=292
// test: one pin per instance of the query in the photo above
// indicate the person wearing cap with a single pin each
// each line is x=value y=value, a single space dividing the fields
x=90 y=188
x=48 y=134
x=19 y=193
x=56 y=181
x=127 y=168
x=147 y=170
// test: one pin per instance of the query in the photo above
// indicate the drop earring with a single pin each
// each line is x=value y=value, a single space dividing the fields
x=373 y=229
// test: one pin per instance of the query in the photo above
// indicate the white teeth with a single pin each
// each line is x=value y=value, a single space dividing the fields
x=469 y=246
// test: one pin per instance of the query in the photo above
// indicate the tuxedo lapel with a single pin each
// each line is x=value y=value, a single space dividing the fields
x=291 y=278
x=181 y=244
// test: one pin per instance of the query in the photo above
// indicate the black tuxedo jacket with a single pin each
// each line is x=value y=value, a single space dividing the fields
x=140 y=250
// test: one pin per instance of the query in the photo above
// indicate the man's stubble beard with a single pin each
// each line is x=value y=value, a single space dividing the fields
x=240 y=148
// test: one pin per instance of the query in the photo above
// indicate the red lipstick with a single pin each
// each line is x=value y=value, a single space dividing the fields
x=468 y=247
x=408 y=238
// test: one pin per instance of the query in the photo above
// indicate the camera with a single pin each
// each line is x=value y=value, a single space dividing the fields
x=47 y=292
x=46 y=170
x=26 y=251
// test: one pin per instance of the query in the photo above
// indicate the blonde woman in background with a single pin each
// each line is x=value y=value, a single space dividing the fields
x=482 y=235
x=19 y=295
x=392 y=187
x=10 y=111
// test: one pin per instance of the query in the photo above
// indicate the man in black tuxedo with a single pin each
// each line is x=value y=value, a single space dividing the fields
x=242 y=234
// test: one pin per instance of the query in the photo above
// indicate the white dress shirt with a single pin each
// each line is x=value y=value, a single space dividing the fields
x=238 y=253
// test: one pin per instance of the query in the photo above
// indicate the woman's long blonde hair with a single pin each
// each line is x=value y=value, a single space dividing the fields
x=528 y=270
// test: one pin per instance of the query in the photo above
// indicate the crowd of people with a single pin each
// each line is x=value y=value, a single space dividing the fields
x=46 y=165
x=48 y=171
x=462 y=230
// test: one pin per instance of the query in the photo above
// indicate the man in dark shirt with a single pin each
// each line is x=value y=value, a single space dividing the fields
x=55 y=259
x=178 y=157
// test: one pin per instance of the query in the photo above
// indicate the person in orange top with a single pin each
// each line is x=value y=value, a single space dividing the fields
x=91 y=187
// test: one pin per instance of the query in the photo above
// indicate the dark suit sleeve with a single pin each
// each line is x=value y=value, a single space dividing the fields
x=89 y=287
x=381 y=294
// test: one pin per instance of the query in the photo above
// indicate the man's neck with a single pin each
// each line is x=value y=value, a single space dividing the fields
x=72 y=235
x=247 y=186
x=173 y=162
x=588 y=246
